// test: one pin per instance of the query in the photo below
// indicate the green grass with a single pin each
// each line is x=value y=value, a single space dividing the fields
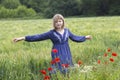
x=23 y=60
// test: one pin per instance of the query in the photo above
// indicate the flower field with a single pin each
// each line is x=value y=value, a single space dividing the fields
x=95 y=59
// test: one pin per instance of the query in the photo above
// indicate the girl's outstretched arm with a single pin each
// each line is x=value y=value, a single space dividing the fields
x=78 y=38
x=33 y=38
x=38 y=37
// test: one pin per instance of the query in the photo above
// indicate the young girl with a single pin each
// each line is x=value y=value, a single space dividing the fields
x=59 y=37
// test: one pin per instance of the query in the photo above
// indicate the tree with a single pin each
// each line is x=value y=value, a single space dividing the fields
x=37 y=5
x=10 y=4
x=103 y=7
x=88 y=7
x=114 y=7
x=64 y=7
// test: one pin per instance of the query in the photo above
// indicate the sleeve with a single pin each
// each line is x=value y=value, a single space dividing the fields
x=38 y=37
x=76 y=38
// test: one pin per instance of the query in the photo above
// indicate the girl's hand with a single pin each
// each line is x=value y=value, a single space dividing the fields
x=18 y=39
x=88 y=37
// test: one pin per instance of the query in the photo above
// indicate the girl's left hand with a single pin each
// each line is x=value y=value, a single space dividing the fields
x=88 y=37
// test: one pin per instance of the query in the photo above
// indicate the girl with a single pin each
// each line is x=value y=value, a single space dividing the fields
x=59 y=37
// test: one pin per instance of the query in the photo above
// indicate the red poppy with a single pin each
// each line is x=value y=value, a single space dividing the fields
x=98 y=61
x=114 y=54
x=105 y=54
x=57 y=59
x=79 y=62
x=43 y=72
x=54 y=50
x=108 y=49
x=65 y=65
x=47 y=78
x=50 y=69
x=52 y=62
x=111 y=59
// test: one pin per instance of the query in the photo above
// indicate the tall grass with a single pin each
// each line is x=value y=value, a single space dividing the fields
x=23 y=60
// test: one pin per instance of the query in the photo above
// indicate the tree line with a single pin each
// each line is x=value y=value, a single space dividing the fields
x=47 y=8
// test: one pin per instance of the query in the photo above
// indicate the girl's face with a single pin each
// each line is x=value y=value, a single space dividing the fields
x=59 y=24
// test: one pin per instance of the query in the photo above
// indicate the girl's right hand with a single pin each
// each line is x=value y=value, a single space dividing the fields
x=88 y=37
x=18 y=39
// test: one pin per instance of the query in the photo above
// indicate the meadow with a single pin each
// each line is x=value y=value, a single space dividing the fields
x=24 y=60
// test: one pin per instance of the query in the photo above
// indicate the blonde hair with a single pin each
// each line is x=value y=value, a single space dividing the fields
x=56 y=17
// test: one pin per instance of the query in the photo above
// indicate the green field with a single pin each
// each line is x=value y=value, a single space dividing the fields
x=23 y=60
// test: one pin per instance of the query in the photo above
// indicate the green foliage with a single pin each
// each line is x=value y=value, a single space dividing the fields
x=7 y=13
x=22 y=11
x=88 y=7
x=37 y=5
x=47 y=8
x=10 y=4
x=65 y=7
x=114 y=11
x=3 y=12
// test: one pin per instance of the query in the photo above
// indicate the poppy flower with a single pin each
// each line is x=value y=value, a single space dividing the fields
x=43 y=72
x=50 y=69
x=47 y=78
x=54 y=50
x=105 y=54
x=57 y=59
x=65 y=65
x=111 y=59
x=79 y=62
x=108 y=49
x=52 y=62
x=98 y=61
x=114 y=54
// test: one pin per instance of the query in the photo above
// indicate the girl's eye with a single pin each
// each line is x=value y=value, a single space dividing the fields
x=59 y=21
